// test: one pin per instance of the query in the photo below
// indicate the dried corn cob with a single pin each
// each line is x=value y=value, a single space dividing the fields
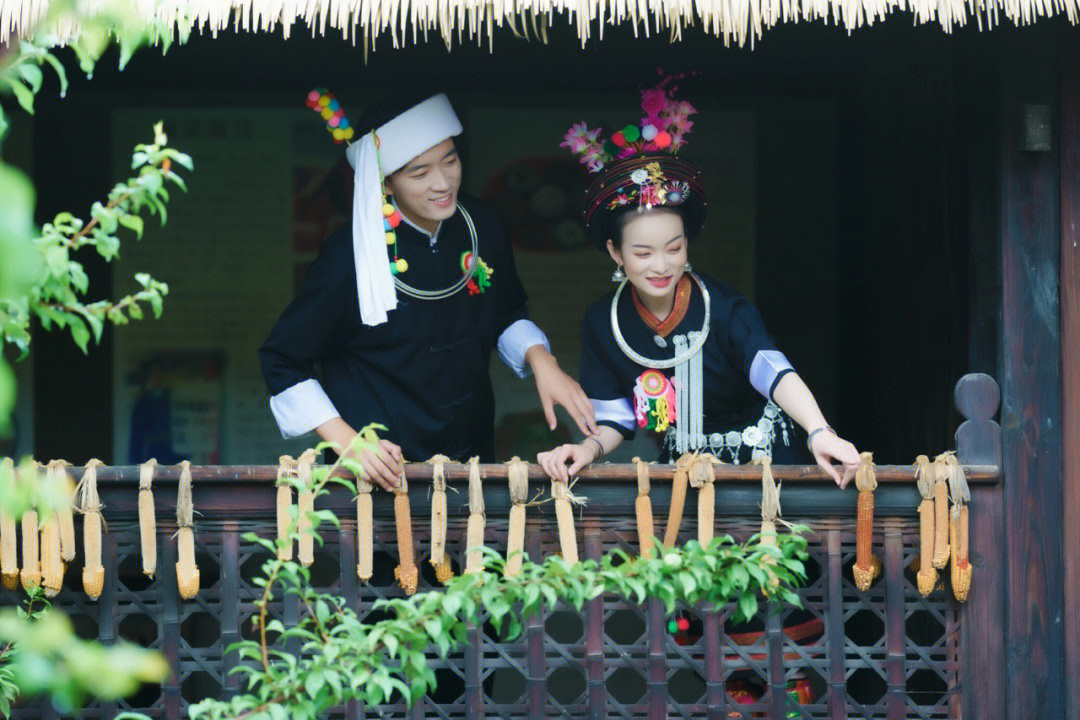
x=93 y=575
x=866 y=567
x=958 y=525
x=518 y=480
x=147 y=518
x=564 y=516
x=941 y=512
x=9 y=558
x=365 y=539
x=305 y=505
x=643 y=508
x=927 y=575
x=438 y=511
x=52 y=562
x=286 y=469
x=187 y=572
x=678 y=499
x=407 y=574
x=474 y=534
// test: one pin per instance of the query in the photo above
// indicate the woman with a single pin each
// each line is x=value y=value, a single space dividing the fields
x=677 y=353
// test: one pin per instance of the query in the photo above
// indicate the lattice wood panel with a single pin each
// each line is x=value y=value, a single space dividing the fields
x=884 y=653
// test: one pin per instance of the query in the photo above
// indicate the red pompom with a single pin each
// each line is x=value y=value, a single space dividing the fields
x=684 y=624
x=619 y=139
x=663 y=139
x=394 y=219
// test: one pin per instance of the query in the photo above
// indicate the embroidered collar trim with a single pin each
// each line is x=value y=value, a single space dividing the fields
x=678 y=311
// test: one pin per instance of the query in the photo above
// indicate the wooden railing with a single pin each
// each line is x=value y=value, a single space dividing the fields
x=883 y=653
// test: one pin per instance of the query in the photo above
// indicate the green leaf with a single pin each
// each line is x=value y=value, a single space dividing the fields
x=20 y=259
x=32 y=75
x=58 y=67
x=22 y=94
x=7 y=395
x=133 y=223
x=79 y=332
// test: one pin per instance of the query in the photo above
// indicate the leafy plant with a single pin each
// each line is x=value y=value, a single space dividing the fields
x=342 y=658
x=39 y=276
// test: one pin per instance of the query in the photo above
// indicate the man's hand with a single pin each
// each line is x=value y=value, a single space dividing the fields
x=382 y=464
x=555 y=387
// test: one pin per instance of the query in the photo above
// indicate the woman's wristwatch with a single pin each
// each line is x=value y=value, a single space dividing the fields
x=598 y=445
x=810 y=437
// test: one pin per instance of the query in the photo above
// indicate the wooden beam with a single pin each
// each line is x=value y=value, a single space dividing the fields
x=1031 y=385
x=1070 y=358
x=603 y=472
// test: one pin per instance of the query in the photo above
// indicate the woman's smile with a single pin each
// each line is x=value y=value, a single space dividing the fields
x=659 y=281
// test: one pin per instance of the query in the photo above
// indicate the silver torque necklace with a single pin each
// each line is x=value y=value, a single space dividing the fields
x=679 y=357
x=456 y=287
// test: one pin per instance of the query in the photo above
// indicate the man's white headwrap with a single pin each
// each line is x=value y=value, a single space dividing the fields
x=411 y=133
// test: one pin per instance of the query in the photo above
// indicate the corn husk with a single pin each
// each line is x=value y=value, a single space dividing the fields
x=286 y=469
x=678 y=499
x=474 y=533
x=518 y=481
x=438 y=510
x=305 y=505
x=770 y=510
x=365 y=530
x=941 y=512
x=147 y=518
x=702 y=476
x=643 y=508
x=564 y=516
x=93 y=576
x=187 y=572
x=64 y=514
x=927 y=575
x=9 y=558
x=867 y=566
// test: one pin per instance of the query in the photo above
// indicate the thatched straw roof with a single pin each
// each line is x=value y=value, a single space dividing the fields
x=735 y=21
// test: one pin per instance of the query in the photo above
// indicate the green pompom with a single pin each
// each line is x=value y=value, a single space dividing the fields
x=611 y=149
x=673 y=627
x=631 y=133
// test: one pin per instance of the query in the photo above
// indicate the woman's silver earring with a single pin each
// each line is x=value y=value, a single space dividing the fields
x=688 y=267
x=618 y=276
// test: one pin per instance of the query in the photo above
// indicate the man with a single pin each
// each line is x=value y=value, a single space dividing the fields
x=400 y=311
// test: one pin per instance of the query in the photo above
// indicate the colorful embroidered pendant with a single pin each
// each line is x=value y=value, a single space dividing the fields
x=481 y=273
x=391 y=219
x=654 y=401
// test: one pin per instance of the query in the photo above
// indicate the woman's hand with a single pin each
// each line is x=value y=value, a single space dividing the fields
x=554 y=461
x=827 y=447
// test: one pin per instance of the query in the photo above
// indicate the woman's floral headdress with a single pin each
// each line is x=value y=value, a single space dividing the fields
x=663 y=129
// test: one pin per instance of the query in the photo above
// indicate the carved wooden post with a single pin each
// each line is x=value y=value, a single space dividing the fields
x=978 y=441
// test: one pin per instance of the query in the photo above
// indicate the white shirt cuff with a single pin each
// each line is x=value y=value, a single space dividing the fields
x=516 y=340
x=620 y=412
x=766 y=369
x=302 y=408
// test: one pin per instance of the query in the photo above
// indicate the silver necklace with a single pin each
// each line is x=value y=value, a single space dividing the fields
x=456 y=287
x=680 y=357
